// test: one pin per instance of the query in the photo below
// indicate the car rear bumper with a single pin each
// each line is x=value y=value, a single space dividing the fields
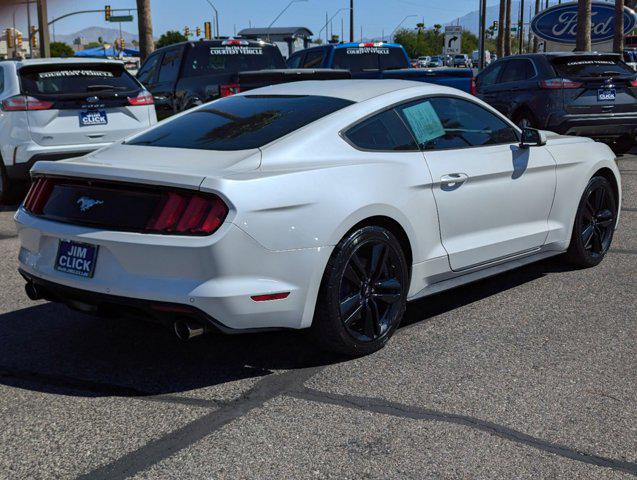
x=595 y=125
x=26 y=155
x=213 y=276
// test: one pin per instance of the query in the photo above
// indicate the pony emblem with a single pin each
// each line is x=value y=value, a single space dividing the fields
x=87 y=203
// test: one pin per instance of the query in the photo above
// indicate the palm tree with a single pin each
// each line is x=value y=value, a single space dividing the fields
x=145 y=27
x=618 y=39
x=500 y=44
x=535 y=39
x=507 y=30
x=583 y=42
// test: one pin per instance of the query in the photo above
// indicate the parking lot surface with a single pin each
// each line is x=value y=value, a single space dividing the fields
x=530 y=374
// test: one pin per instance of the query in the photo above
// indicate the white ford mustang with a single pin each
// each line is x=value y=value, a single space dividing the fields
x=323 y=205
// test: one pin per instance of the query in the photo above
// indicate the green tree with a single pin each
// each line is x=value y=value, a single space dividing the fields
x=93 y=44
x=61 y=49
x=170 y=37
x=430 y=42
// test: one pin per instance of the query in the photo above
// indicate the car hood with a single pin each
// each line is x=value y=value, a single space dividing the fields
x=154 y=165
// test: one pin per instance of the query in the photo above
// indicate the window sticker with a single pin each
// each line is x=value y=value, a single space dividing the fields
x=234 y=50
x=424 y=121
x=75 y=73
x=366 y=50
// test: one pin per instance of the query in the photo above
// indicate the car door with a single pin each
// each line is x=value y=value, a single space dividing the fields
x=493 y=197
x=487 y=87
x=164 y=88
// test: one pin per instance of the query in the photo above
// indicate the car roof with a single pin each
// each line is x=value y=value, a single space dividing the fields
x=362 y=44
x=353 y=90
x=218 y=42
x=561 y=55
x=62 y=61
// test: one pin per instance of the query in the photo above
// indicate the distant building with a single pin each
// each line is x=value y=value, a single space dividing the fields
x=288 y=39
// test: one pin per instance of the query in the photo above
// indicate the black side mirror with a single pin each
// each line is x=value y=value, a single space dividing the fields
x=532 y=137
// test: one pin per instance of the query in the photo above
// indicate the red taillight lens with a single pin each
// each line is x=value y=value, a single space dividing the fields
x=21 y=103
x=181 y=213
x=474 y=89
x=559 y=83
x=633 y=83
x=144 y=98
x=229 y=89
x=38 y=195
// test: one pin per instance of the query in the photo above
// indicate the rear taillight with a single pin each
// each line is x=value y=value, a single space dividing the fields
x=184 y=214
x=229 y=89
x=633 y=83
x=559 y=84
x=38 y=195
x=144 y=98
x=473 y=89
x=21 y=103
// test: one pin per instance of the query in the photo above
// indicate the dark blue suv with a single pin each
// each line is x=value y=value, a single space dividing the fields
x=363 y=60
x=587 y=94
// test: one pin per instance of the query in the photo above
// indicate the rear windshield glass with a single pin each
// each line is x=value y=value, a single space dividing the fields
x=206 y=59
x=365 y=59
x=76 y=78
x=603 y=66
x=240 y=122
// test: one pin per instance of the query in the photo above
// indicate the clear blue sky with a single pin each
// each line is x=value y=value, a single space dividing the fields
x=373 y=15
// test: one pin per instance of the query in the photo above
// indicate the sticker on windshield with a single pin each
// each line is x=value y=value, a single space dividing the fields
x=424 y=121
x=236 y=50
x=365 y=50
x=75 y=73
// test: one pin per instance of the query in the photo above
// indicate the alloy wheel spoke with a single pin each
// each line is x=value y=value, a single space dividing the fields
x=375 y=318
x=587 y=235
x=605 y=218
x=353 y=276
x=355 y=315
x=350 y=304
x=601 y=196
x=379 y=257
x=387 y=291
x=358 y=266
x=597 y=241
x=368 y=321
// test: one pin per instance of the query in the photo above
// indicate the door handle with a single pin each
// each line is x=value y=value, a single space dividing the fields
x=453 y=180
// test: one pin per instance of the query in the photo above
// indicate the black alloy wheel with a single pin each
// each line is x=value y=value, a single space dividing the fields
x=363 y=293
x=594 y=224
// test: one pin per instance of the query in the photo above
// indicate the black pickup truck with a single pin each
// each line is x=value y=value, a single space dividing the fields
x=188 y=74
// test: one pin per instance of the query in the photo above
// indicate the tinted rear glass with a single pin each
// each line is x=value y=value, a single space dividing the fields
x=76 y=78
x=241 y=122
x=207 y=59
x=361 y=59
x=598 y=66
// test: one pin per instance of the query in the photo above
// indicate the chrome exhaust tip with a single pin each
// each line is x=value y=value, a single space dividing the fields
x=186 y=330
x=32 y=291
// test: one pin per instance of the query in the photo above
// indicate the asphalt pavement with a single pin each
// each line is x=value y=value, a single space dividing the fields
x=530 y=374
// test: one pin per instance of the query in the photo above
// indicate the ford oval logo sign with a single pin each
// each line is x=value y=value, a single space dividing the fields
x=559 y=23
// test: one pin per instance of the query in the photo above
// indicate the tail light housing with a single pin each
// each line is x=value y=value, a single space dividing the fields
x=474 y=89
x=188 y=214
x=229 y=89
x=559 y=84
x=144 y=98
x=633 y=83
x=38 y=195
x=22 y=103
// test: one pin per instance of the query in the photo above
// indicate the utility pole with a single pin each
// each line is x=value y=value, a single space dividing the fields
x=535 y=40
x=501 y=22
x=145 y=28
x=351 y=20
x=483 y=26
x=507 y=30
x=43 y=29
x=618 y=40
x=583 y=26
x=521 y=27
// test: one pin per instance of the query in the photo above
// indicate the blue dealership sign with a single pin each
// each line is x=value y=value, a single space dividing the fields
x=559 y=23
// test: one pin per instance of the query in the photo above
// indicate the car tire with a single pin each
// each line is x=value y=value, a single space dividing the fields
x=7 y=190
x=363 y=293
x=622 y=144
x=594 y=224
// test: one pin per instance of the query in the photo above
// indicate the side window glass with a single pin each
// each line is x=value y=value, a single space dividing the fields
x=295 y=61
x=442 y=123
x=517 y=70
x=147 y=72
x=384 y=132
x=489 y=76
x=313 y=59
x=170 y=66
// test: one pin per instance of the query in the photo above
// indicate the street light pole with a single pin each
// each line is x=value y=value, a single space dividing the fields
x=327 y=21
x=216 y=18
x=43 y=29
x=391 y=37
x=481 y=39
x=351 y=21
x=283 y=11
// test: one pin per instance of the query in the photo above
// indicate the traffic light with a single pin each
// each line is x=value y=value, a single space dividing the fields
x=207 y=28
x=34 y=37
x=107 y=13
x=9 y=34
x=187 y=32
x=198 y=32
x=19 y=40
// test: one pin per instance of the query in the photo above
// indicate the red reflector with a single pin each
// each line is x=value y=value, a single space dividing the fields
x=229 y=89
x=171 y=308
x=270 y=296
x=474 y=89
x=144 y=98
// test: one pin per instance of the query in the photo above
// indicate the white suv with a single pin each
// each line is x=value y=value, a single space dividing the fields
x=56 y=108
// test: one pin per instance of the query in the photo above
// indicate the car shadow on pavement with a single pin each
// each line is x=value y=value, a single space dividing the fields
x=49 y=348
